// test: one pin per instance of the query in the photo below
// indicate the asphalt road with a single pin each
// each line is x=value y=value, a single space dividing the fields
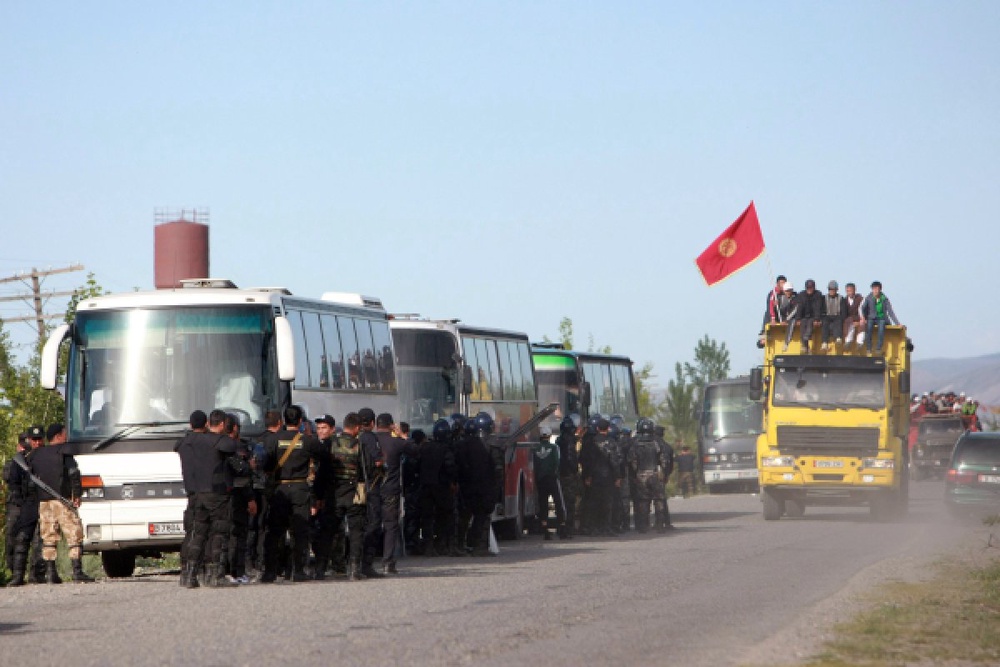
x=724 y=588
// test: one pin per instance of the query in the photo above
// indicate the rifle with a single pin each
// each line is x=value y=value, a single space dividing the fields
x=20 y=460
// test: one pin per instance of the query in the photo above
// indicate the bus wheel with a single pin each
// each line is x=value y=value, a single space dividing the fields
x=513 y=528
x=118 y=564
x=774 y=506
x=795 y=509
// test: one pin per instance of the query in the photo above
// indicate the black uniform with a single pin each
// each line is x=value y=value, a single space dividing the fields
x=477 y=485
x=203 y=461
x=22 y=519
x=600 y=464
x=437 y=473
x=290 y=505
x=340 y=503
x=239 y=481
x=668 y=462
x=569 y=476
x=392 y=450
x=375 y=473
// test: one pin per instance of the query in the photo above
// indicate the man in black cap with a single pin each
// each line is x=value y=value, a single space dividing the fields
x=59 y=471
x=834 y=310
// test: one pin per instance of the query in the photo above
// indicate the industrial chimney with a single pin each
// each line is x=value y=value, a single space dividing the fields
x=181 y=242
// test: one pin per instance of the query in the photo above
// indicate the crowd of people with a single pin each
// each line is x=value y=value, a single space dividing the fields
x=841 y=319
x=313 y=499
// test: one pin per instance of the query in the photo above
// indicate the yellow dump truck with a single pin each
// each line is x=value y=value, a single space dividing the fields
x=836 y=424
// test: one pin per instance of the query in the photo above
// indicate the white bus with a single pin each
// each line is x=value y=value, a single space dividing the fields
x=445 y=367
x=141 y=362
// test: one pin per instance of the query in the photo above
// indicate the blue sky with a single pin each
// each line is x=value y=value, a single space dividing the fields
x=513 y=163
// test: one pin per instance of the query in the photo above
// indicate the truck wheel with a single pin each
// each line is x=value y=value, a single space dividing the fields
x=774 y=506
x=118 y=564
x=795 y=509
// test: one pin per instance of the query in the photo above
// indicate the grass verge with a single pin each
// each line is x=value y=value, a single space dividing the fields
x=953 y=616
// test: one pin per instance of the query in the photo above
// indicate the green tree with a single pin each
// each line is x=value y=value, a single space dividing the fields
x=647 y=408
x=678 y=408
x=87 y=290
x=711 y=362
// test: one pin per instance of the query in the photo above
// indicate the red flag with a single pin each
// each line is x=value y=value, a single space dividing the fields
x=736 y=247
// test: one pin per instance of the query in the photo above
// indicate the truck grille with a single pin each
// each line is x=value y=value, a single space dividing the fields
x=827 y=438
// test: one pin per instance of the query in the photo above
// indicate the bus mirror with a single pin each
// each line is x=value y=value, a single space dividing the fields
x=466 y=379
x=585 y=395
x=49 y=373
x=286 y=349
x=756 y=383
x=904 y=382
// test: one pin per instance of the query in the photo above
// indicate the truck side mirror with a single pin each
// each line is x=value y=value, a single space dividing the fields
x=49 y=372
x=585 y=395
x=756 y=383
x=285 y=347
x=466 y=379
x=904 y=383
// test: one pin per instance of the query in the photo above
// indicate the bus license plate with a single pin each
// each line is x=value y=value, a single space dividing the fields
x=171 y=528
x=989 y=479
x=828 y=464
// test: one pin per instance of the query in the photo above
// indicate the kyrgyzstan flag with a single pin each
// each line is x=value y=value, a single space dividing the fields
x=736 y=247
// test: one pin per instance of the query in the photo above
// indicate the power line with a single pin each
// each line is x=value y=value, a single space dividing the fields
x=37 y=299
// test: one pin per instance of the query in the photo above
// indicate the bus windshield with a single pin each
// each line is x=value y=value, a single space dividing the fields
x=428 y=374
x=143 y=366
x=730 y=412
x=828 y=389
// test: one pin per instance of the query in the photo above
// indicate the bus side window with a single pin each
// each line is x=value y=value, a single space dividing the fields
x=469 y=352
x=349 y=341
x=527 y=373
x=334 y=355
x=383 y=355
x=301 y=355
x=366 y=348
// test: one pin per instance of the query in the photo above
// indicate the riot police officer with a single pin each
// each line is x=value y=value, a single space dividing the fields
x=436 y=474
x=344 y=501
x=668 y=460
x=22 y=514
x=600 y=465
x=477 y=484
x=647 y=467
x=569 y=470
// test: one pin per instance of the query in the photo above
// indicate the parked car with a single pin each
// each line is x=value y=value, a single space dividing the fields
x=972 y=483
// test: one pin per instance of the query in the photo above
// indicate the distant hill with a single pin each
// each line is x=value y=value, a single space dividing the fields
x=978 y=377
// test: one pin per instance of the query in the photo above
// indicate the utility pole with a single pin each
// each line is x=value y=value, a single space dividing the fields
x=36 y=298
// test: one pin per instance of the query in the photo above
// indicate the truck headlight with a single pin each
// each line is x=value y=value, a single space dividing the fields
x=884 y=464
x=777 y=461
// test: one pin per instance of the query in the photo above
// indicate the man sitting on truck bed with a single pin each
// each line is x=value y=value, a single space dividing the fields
x=807 y=309
x=877 y=309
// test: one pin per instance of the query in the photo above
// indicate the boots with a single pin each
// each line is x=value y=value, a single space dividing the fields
x=78 y=574
x=20 y=560
x=354 y=571
x=189 y=576
x=215 y=577
x=51 y=576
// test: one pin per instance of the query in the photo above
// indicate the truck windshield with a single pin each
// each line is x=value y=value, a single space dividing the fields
x=429 y=375
x=149 y=366
x=829 y=389
x=936 y=426
x=728 y=411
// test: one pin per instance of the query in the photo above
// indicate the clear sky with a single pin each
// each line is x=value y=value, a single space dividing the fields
x=511 y=163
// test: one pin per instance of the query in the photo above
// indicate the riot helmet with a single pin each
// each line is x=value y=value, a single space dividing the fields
x=567 y=424
x=469 y=427
x=645 y=426
x=441 y=430
x=484 y=423
x=593 y=420
x=617 y=420
x=457 y=425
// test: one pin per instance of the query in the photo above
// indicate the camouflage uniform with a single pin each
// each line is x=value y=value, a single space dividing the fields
x=55 y=519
